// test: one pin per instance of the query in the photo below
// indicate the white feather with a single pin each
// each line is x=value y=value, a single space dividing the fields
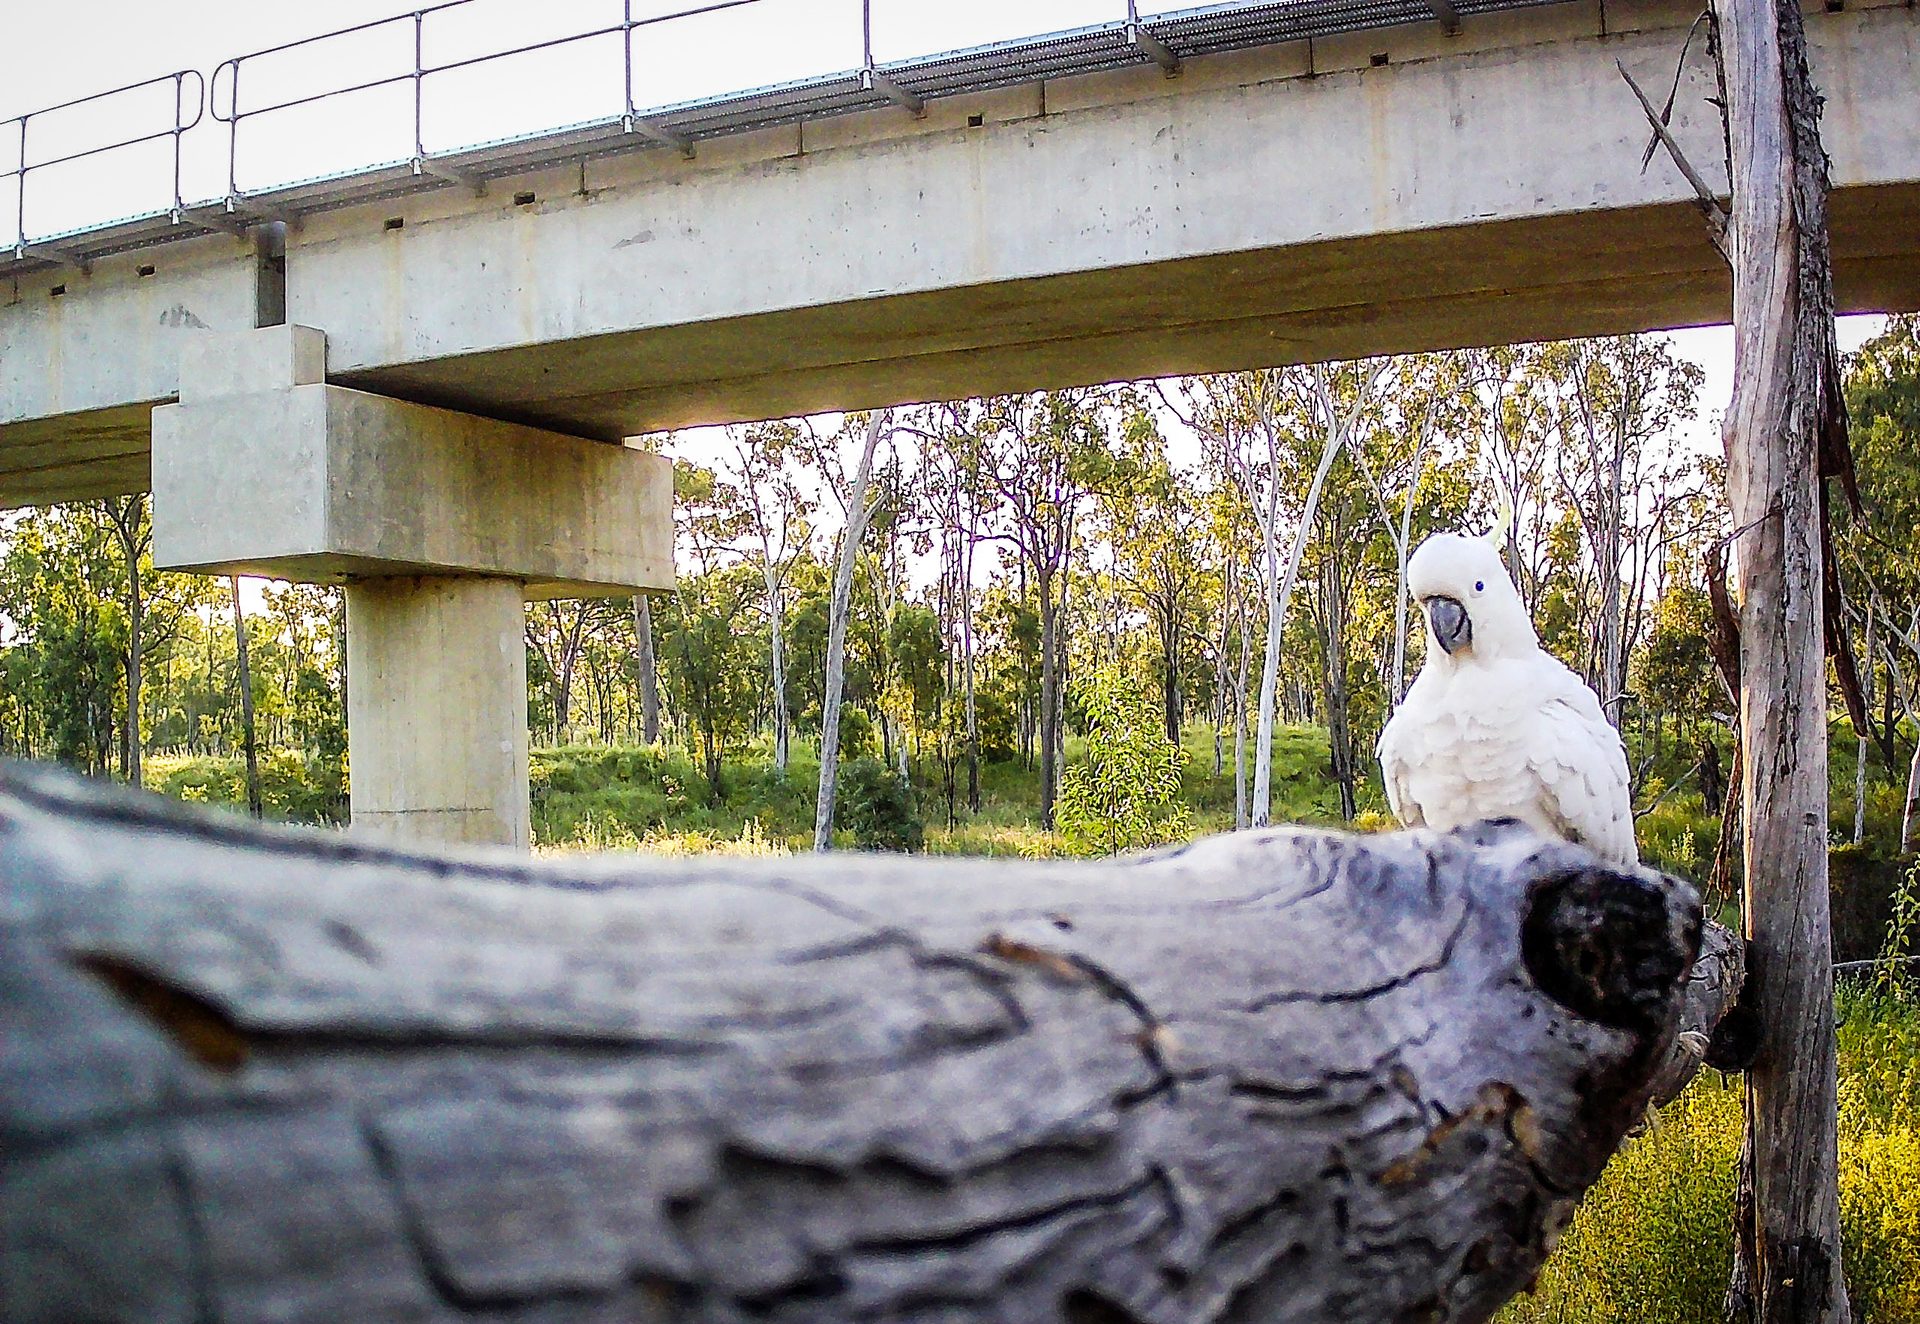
x=1501 y=729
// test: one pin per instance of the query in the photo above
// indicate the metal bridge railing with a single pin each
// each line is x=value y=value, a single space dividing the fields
x=221 y=94
x=227 y=75
x=1166 y=38
x=27 y=163
x=423 y=163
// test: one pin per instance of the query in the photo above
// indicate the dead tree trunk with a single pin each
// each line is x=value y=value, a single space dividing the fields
x=1785 y=426
x=648 y=668
x=1285 y=1075
x=243 y=677
x=128 y=516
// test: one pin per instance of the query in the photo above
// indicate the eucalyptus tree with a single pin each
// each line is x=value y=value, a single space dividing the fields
x=775 y=515
x=556 y=633
x=711 y=660
x=131 y=526
x=851 y=488
x=1879 y=548
x=1506 y=429
x=243 y=681
x=954 y=493
x=69 y=596
x=1045 y=455
x=59 y=594
x=304 y=620
x=1396 y=468
x=1614 y=405
x=1261 y=427
x=1237 y=418
x=896 y=536
x=1153 y=520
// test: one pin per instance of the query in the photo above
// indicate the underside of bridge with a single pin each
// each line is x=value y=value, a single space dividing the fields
x=1370 y=192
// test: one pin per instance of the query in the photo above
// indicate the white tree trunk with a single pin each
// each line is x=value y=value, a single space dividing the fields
x=1913 y=793
x=1277 y=606
x=966 y=646
x=1240 y=802
x=858 y=513
x=1269 y=667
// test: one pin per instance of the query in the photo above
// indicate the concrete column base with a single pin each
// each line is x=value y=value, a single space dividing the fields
x=437 y=709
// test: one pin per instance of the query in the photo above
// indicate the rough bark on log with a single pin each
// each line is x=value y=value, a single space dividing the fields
x=1287 y=1075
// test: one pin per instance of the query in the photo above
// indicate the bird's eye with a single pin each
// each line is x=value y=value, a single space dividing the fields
x=1479 y=586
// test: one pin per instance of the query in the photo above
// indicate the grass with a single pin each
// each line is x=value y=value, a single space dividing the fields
x=1652 y=1242
x=599 y=797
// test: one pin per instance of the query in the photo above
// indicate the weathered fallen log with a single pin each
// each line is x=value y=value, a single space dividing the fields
x=1288 y=1075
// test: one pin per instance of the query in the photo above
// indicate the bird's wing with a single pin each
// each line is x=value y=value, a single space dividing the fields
x=1581 y=768
x=1400 y=750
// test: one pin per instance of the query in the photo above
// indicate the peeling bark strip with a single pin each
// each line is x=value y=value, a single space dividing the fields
x=256 y=1074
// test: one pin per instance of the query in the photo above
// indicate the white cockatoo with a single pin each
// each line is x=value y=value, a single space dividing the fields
x=1494 y=727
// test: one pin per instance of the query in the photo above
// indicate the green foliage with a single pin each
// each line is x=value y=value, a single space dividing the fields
x=1675 y=672
x=59 y=582
x=711 y=661
x=1903 y=921
x=876 y=807
x=1883 y=398
x=294 y=787
x=1652 y=1242
x=919 y=659
x=619 y=797
x=1678 y=834
x=1871 y=902
x=1126 y=792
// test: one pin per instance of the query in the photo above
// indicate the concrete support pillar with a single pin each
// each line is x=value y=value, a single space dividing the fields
x=441 y=525
x=437 y=709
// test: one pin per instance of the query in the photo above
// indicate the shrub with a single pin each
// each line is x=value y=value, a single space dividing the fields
x=856 y=734
x=1127 y=793
x=1867 y=885
x=295 y=787
x=876 y=806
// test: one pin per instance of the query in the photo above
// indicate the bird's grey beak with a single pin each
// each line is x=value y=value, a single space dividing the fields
x=1452 y=627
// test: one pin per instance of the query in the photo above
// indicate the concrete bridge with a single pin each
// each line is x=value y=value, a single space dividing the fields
x=1054 y=213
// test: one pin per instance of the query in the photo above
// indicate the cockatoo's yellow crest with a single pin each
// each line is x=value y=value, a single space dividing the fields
x=1502 y=524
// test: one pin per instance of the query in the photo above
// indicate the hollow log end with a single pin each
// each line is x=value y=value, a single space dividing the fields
x=1610 y=946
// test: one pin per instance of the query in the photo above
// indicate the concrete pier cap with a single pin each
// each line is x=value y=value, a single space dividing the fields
x=263 y=468
x=440 y=524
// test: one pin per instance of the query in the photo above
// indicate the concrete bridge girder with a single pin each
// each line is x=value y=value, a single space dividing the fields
x=440 y=525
